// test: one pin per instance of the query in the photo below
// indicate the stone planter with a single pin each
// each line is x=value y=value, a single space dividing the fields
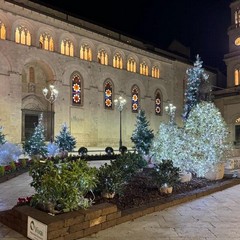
x=185 y=177
x=217 y=172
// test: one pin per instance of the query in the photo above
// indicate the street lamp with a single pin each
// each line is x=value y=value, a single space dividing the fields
x=51 y=97
x=119 y=103
x=171 y=109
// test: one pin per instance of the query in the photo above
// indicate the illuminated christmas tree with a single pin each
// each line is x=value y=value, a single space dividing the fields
x=35 y=145
x=197 y=87
x=65 y=141
x=142 y=136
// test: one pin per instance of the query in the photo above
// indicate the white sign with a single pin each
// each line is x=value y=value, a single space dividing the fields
x=36 y=230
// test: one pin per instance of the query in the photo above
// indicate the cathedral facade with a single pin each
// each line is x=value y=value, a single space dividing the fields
x=90 y=67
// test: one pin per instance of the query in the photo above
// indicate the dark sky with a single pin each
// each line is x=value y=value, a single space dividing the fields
x=199 y=24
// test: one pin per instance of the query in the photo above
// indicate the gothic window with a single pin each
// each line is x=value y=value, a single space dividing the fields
x=2 y=30
x=237 y=77
x=102 y=57
x=135 y=99
x=108 y=94
x=118 y=61
x=77 y=92
x=237 y=17
x=144 y=69
x=131 y=65
x=46 y=42
x=22 y=35
x=155 y=72
x=158 y=103
x=86 y=52
x=67 y=47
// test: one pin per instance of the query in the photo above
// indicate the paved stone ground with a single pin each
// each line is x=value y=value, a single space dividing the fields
x=216 y=216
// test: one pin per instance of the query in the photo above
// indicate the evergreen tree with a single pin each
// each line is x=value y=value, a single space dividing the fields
x=142 y=136
x=208 y=133
x=65 y=141
x=35 y=145
x=197 y=87
x=2 y=136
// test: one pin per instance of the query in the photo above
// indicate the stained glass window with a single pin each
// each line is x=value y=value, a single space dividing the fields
x=135 y=99
x=158 y=103
x=108 y=94
x=76 y=90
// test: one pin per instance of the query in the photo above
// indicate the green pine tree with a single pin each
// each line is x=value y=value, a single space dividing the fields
x=65 y=141
x=2 y=136
x=35 y=145
x=197 y=87
x=142 y=136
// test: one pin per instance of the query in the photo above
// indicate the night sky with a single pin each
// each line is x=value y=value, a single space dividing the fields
x=199 y=24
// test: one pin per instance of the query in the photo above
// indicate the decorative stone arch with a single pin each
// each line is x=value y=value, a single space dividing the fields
x=70 y=37
x=8 y=25
x=33 y=101
x=49 y=31
x=29 y=25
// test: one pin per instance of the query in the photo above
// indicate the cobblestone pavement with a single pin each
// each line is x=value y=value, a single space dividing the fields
x=216 y=216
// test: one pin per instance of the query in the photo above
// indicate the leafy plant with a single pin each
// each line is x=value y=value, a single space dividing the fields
x=109 y=178
x=13 y=166
x=165 y=173
x=2 y=171
x=62 y=186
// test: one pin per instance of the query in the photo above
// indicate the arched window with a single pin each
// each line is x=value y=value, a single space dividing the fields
x=131 y=65
x=46 y=42
x=102 y=57
x=2 y=31
x=135 y=99
x=144 y=69
x=108 y=94
x=67 y=47
x=158 y=103
x=118 y=61
x=237 y=77
x=77 y=90
x=155 y=72
x=22 y=35
x=86 y=52
x=237 y=17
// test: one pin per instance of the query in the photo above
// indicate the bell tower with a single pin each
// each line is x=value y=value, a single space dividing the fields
x=232 y=58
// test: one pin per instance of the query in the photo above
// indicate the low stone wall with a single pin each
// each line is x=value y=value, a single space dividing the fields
x=78 y=224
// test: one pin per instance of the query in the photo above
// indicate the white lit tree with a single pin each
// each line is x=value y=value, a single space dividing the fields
x=197 y=87
x=142 y=135
x=65 y=141
x=207 y=136
x=35 y=145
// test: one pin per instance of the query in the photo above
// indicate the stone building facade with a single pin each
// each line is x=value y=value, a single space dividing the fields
x=228 y=100
x=90 y=66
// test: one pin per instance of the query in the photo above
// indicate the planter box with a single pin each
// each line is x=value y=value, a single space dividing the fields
x=78 y=224
x=9 y=176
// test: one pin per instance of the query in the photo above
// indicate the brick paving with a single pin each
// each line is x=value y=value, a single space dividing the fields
x=215 y=216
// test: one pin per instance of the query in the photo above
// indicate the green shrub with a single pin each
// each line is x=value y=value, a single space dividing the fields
x=24 y=163
x=2 y=171
x=13 y=166
x=63 y=186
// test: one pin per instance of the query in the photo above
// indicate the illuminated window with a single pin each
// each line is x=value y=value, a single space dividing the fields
x=67 y=47
x=46 y=42
x=77 y=92
x=155 y=72
x=237 y=77
x=117 y=61
x=237 y=17
x=108 y=94
x=158 y=103
x=2 y=31
x=144 y=69
x=86 y=52
x=102 y=57
x=131 y=65
x=22 y=35
x=135 y=99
